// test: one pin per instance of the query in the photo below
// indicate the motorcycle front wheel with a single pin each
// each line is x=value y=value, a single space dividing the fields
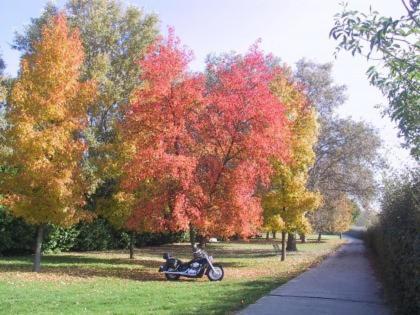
x=217 y=274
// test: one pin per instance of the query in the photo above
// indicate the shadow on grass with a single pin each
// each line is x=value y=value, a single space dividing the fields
x=144 y=267
x=88 y=272
x=89 y=267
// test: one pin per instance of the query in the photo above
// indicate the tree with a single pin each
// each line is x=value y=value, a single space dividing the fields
x=347 y=156
x=335 y=216
x=347 y=152
x=242 y=127
x=288 y=196
x=393 y=45
x=200 y=150
x=317 y=83
x=46 y=114
x=158 y=169
x=4 y=87
x=115 y=37
x=2 y=81
x=343 y=216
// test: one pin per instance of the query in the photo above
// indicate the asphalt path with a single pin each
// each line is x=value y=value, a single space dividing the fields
x=343 y=284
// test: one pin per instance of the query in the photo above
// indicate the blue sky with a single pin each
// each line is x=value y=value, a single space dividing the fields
x=290 y=29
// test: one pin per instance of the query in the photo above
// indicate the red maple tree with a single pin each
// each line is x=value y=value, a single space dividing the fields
x=157 y=123
x=202 y=143
x=241 y=127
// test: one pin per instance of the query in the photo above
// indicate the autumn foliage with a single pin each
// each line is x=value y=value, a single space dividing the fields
x=288 y=198
x=201 y=145
x=48 y=103
x=221 y=152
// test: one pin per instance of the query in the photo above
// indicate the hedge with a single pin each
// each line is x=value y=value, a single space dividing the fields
x=395 y=240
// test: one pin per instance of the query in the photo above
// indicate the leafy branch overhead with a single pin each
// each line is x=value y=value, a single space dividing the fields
x=393 y=45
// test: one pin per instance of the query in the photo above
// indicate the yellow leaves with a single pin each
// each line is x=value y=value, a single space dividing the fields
x=47 y=112
x=288 y=196
x=274 y=223
x=118 y=208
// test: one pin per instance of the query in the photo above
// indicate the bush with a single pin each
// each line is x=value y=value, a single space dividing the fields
x=57 y=239
x=99 y=235
x=395 y=240
x=16 y=237
x=151 y=239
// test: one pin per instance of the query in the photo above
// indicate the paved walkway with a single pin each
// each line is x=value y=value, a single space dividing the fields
x=344 y=284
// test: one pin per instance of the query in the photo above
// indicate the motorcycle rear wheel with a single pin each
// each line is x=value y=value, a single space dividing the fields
x=216 y=276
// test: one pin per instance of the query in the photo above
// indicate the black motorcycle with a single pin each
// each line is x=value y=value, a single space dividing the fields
x=201 y=264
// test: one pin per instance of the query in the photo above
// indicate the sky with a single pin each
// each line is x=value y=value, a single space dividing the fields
x=290 y=29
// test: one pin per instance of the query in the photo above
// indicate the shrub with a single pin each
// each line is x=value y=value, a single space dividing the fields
x=150 y=239
x=16 y=237
x=395 y=240
x=58 y=239
x=99 y=235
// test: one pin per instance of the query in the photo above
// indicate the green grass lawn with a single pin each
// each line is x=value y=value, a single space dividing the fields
x=110 y=283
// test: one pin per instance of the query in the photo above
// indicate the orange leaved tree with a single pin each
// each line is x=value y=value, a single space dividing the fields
x=46 y=117
x=200 y=147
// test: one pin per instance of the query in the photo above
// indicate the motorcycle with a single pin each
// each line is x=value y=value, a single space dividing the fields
x=201 y=264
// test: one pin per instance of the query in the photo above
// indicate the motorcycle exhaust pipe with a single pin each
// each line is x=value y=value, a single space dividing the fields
x=176 y=273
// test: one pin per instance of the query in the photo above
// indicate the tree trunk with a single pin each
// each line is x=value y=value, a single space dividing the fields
x=267 y=236
x=132 y=241
x=302 y=238
x=319 y=237
x=202 y=241
x=291 y=242
x=192 y=237
x=274 y=234
x=38 y=248
x=341 y=236
x=283 y=246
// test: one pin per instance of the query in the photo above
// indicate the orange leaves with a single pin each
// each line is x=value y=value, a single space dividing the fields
x=191 y=148
x=204 y=147
x=48 y=107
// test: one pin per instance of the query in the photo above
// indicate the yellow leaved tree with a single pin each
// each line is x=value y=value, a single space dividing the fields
x=288 y=199
x=47 y=113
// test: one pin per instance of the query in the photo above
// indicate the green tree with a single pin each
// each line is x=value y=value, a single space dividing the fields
x=346 y=160
x=115 y=38
x=393 y=44
x=347 y=152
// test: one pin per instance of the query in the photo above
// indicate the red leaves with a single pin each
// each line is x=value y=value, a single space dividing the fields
x=205 y=143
